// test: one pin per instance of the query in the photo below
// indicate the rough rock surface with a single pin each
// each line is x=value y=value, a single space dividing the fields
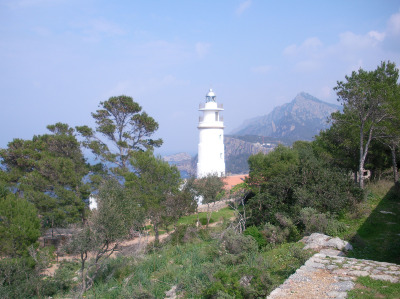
x=328 y=274
x=325 y=276
x=319 y=241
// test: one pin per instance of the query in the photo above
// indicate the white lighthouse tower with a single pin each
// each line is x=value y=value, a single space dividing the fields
x=211 y=153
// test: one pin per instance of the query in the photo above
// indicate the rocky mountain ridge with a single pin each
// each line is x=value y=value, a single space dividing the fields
x=301 y=119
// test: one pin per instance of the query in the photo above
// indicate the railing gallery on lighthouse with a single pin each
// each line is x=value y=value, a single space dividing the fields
x=203 y=106
x=220 y=118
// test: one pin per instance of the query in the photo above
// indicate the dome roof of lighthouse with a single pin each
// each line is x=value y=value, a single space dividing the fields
x=210 y=93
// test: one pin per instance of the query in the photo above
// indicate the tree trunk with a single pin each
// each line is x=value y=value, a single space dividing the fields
x=361 y=163
x=208 y=215
x=156 y=234
x=363 y=153
x=394 y=164
x=83 y=274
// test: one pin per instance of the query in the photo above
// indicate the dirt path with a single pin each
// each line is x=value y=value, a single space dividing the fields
x=122 y=248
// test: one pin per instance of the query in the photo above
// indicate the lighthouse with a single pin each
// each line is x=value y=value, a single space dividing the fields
x=211 y=152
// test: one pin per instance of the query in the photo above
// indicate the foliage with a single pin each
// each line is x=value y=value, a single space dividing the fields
x=366 y=97
x=118 y=213
x=236 y=243
x=320 y=222
x=157 y=184
x=19 y=225
x=284 y=230
x=202 y=268
x=23 y=277
x=257 y=235
x=125 y=128
x=210 y=189
x=48 y=171
x=287 y=180
x=18 y=279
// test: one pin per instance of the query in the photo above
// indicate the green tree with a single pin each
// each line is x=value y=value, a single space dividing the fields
x=157 y=184
x=365 y=102
x=265 y=167
x=48 y=171
x=19 y=225
x=389 y=132
x=124 y=129
x=118 y=213
x=287 y=180
x=210 y=189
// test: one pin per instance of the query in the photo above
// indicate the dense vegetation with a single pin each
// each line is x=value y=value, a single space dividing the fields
x=249 y=249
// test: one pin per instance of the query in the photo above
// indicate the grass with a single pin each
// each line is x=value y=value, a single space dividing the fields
x=285 y=259
x=200 y=268
x=366 y=288
x=221 y=215
x=374 y=230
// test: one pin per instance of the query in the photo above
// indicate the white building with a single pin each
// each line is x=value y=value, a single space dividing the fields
x=211 y=152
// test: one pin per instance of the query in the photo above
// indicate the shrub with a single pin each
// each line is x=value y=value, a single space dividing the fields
x=226 y=285
x=183 y=234
x=257 y=235
x=275 y=234
x=236 y=243
x=19 y=225
x=20 y=279
x=320 y=222
x=203 y=220
x=284 y=231
x=290 y=179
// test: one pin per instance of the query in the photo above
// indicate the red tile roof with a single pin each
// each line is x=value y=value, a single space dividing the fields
x=233 y=180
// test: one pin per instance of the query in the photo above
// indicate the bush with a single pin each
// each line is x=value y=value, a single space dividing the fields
x=183 y=234
x=226 y=286
x=320 y=222
x=236 y=243
x=257 y=235
x=284 y=231
x=20 y=279
x=19 y=225
x=203 y=220
x=290 y=179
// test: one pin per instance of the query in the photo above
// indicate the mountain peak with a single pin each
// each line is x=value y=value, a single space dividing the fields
x=301 y=119
x=306 y=97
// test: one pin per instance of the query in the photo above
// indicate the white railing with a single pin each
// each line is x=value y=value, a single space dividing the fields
x=203 y=105
x=221 y=119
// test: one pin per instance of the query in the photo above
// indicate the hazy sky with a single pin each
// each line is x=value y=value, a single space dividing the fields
x=60 y=58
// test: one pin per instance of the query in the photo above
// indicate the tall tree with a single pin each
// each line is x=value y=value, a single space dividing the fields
x=48 y=171
x=157 y=184
x=365 y=107
x=118 y=212
x=389 y=133
x=123 y=128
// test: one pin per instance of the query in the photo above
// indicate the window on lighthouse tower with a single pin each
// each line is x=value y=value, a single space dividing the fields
x=216 y=116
